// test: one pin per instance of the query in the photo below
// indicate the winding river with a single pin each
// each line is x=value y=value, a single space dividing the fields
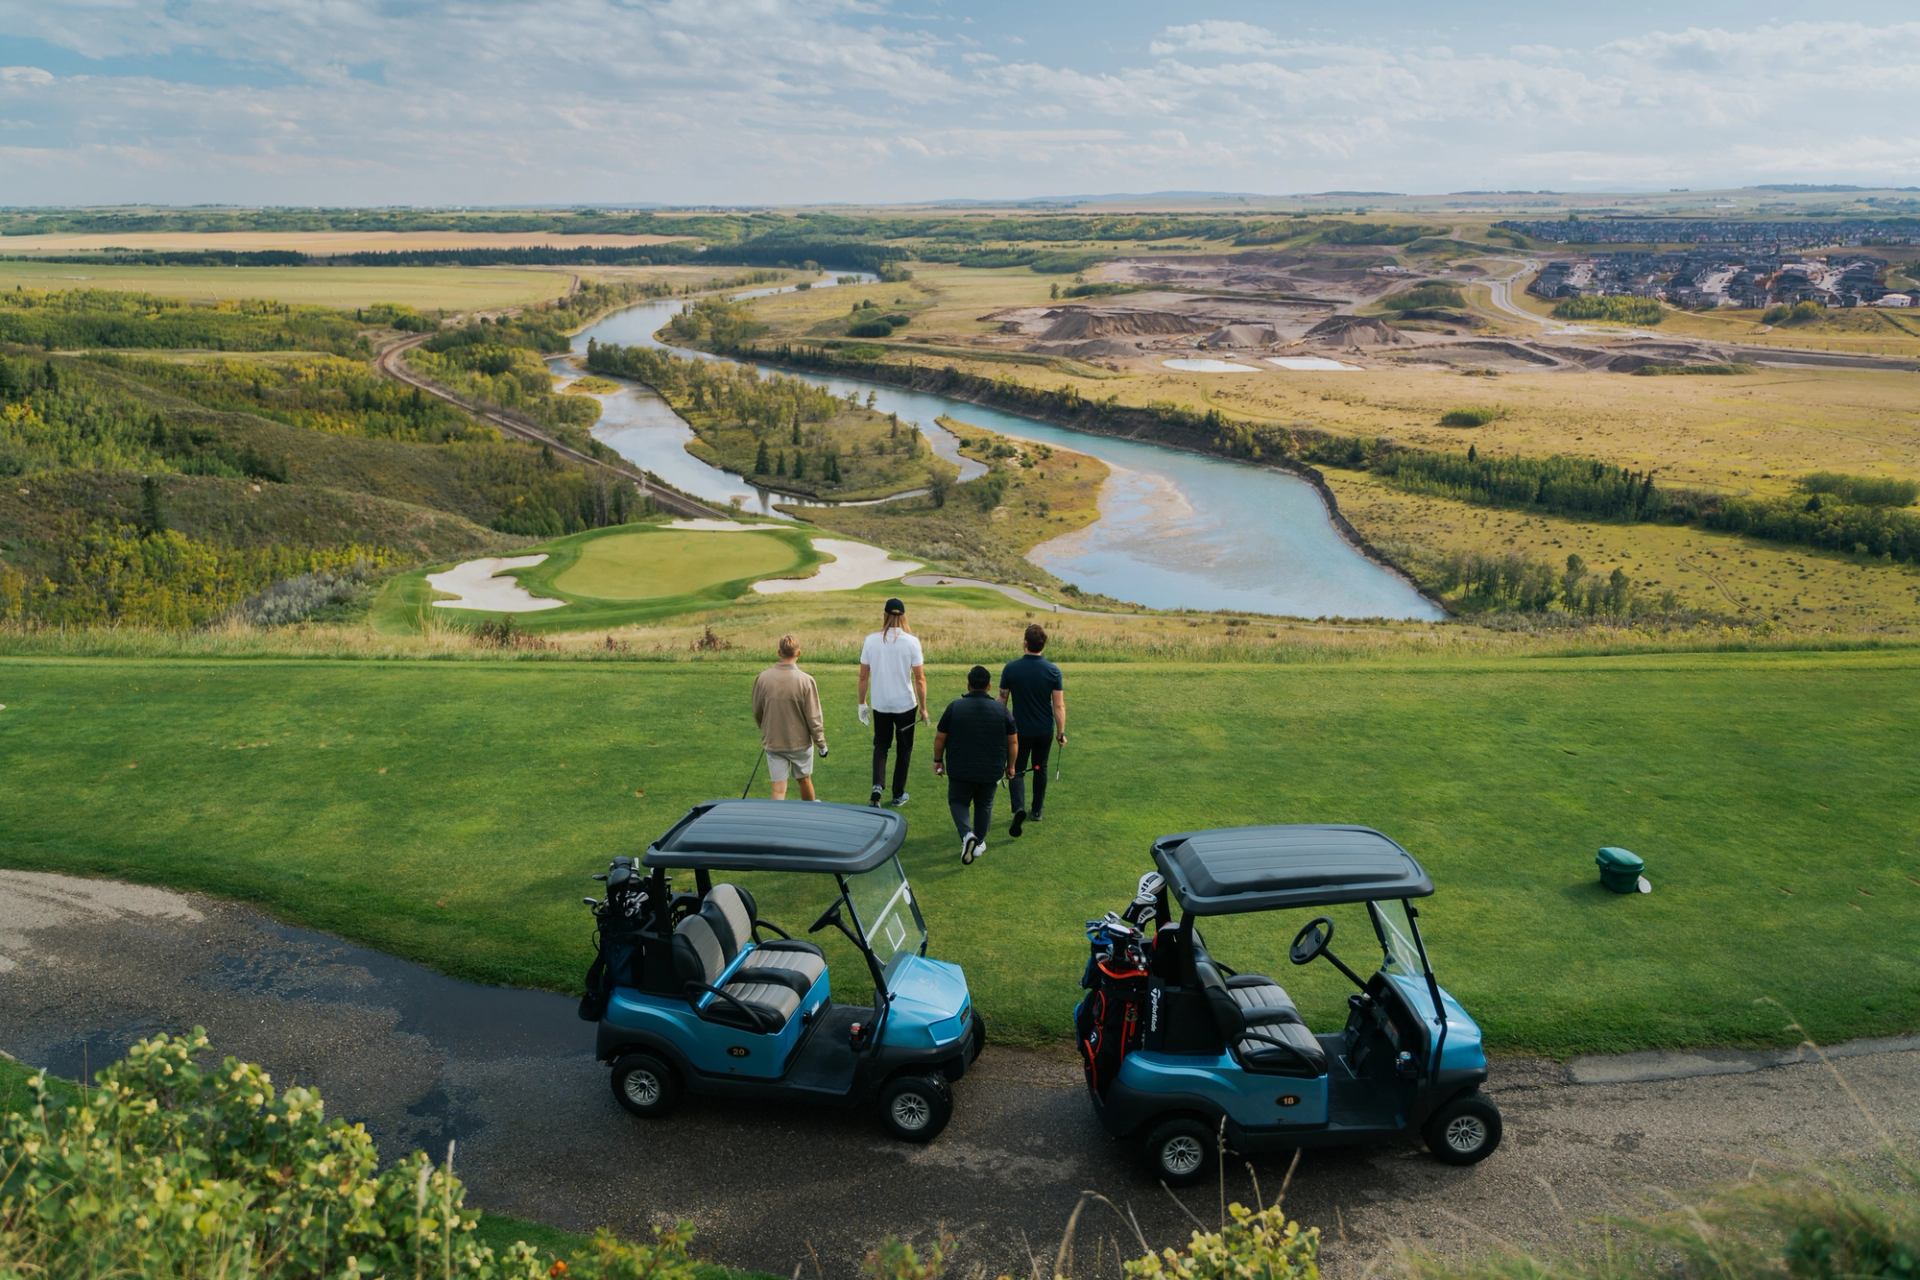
x=1176 y=530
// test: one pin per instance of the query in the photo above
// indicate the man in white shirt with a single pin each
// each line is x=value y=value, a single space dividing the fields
x=893 y=697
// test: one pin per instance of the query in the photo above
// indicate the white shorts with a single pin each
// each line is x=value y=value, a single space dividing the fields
x=782 y=765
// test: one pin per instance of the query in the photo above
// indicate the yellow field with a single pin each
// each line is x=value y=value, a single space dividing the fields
x=1713 y=572
x=944 y=301
x=424 y=288
x=318 y=242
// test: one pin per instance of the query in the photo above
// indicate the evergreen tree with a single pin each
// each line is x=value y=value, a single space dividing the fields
x=799 y=466
x=760 y=462
x=153 y=515
x=780 y=464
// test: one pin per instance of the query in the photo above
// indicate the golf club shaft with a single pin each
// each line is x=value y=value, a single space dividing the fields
x=757 y=757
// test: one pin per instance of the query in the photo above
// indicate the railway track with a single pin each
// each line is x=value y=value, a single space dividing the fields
x=392 y=362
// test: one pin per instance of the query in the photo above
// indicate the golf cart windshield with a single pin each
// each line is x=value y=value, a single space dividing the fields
x=1397 y=939
x=886 y=914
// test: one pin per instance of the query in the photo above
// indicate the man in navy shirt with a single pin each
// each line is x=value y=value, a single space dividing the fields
x=974 y=745
x=1036 y=693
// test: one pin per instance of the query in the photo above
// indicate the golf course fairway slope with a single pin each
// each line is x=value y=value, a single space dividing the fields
x=451 y=811
x=620 y=575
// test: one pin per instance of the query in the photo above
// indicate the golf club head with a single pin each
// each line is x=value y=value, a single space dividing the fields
x=1152 y=884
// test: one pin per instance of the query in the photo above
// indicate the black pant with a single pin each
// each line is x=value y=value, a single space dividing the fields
x=963 y=795
x=1034 y=748
x=889 y=726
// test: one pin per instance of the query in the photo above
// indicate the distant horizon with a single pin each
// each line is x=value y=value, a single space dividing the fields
x=992 y=201
x=798 y=103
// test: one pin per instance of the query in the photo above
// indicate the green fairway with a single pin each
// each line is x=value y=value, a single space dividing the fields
x=451 y=812
x=616 y=577
x=647 y=566
x=426 y=288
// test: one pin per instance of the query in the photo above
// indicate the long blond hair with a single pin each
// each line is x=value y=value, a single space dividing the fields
x=889 y=622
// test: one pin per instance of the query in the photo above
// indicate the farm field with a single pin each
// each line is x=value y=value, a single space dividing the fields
x=451 y=812
x=310 y=242
x=423 y=288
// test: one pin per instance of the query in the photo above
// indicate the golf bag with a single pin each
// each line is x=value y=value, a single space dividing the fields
x=1110 y=1018
x=618 y=950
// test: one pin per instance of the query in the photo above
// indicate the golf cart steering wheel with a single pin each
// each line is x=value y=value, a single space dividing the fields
x=1314 y=937
x=830 y=916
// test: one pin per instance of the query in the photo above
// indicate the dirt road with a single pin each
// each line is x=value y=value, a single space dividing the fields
x=86 y=967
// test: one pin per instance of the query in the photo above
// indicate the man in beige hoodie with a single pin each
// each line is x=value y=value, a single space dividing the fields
x=786 y=706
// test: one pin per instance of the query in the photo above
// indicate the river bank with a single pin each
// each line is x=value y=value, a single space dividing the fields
x=1103 y=418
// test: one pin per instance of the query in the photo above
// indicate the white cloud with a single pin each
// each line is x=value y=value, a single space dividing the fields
x=768 y=100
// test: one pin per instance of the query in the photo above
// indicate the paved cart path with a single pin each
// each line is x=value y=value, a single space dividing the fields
x=86 y=967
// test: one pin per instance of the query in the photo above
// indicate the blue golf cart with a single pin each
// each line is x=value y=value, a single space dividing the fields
x=1180 y=1049
x=694 y=992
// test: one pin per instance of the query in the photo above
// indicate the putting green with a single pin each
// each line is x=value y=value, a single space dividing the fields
x=649 y=566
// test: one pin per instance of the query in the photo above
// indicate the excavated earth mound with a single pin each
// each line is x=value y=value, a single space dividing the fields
x=1075 y=323
x=1355 y=331
x=1241 y=335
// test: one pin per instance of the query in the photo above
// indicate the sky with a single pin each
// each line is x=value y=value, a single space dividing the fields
x=609 y=102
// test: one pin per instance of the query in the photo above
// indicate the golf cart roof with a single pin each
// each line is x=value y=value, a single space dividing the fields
x=1234 y=869
x=776 y=835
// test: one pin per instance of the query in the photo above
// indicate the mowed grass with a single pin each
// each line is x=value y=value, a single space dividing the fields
x=613 y=577
x=647 y=566
x=451 y=812
x=423 y=288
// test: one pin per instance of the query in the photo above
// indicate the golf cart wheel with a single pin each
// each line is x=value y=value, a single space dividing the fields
x=1465 y=1131
x=916 y=1108
x=645 y=1085
x=1180 y=1152
x=979 y=1036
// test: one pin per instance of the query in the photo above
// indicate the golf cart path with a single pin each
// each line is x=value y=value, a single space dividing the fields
x=87 y=966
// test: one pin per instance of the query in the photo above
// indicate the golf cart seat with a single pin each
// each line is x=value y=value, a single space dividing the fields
x=1258 y=1021
x=729 y=911
x=763 y=1001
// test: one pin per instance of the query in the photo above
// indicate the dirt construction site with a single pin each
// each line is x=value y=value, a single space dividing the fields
x=1297 y=311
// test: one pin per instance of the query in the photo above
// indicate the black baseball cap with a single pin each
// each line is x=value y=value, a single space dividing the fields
x=894 y=605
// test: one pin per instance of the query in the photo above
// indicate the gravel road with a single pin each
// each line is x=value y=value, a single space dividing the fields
x=86 y=967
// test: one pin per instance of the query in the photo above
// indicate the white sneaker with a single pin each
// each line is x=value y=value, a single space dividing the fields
x=967 y=848
x=979 y=850
x=901 y=799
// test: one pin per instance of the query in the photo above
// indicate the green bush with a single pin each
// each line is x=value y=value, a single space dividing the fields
x=1867 y=491
x=1794 y=313
x=174 y=1168
x=1479 y=417
x=1264 y=1243
x=1621 y=308
x=875 y=328
x=1710 y=368
x=1428 y=293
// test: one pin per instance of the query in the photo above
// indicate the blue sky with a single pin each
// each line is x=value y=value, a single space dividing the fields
x=789 y=101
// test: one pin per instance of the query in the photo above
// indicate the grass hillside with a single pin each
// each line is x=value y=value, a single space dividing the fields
x=1769 y=793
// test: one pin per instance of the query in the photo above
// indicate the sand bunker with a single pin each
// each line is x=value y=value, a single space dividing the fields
x=474 y=586
x=855 y=564
x=1208 y=366
x=1324 y=363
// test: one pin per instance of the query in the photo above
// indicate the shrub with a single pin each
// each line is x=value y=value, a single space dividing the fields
x=1710 y=368
x=293 y=599
x=1428 y=293
x=1264 y=1243
x=1621 y=308
x=1794 y=313
x=1470 y=417
x=1867 y=491
x=875 y=328
x=172 y=1167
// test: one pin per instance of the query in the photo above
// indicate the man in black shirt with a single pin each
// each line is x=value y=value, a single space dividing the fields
x=1036 y=692
x=982 y=738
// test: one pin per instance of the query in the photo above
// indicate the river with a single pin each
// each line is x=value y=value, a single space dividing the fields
x=1176 y=530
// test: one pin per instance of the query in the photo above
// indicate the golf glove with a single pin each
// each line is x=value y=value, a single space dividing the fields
x=866 y=714
x=823 y=751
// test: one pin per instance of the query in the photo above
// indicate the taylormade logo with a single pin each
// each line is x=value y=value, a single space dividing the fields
x=1153 y=1009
